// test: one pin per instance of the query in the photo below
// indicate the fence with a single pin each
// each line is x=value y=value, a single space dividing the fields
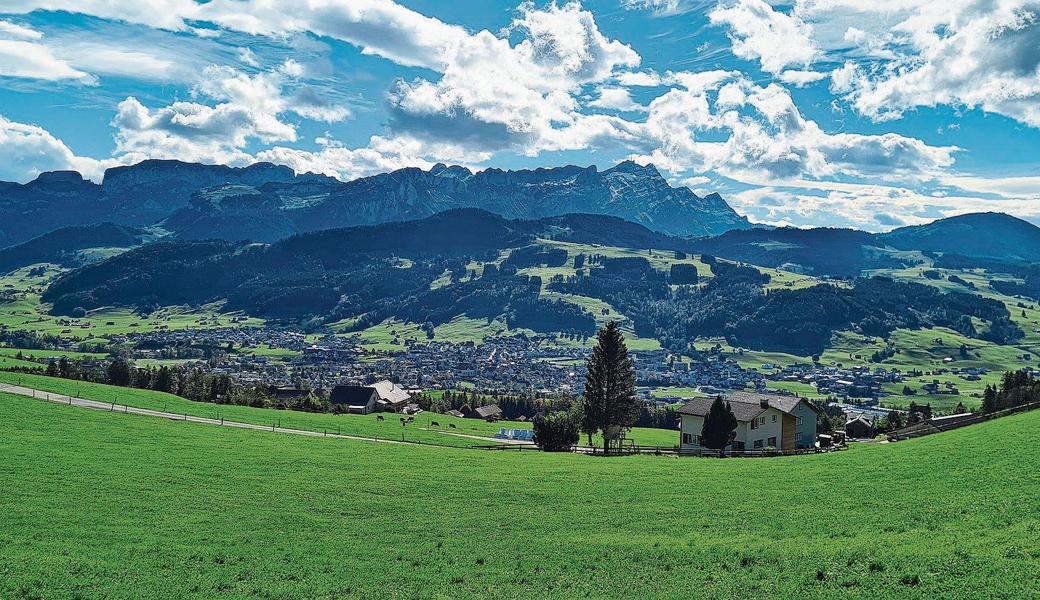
x=935 y=426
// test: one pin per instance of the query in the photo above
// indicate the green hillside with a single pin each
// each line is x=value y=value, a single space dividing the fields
x=108 y=505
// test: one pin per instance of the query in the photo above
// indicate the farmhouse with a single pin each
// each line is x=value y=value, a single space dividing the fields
x=491 y=412
x=383 y=396
x=763 y=421
x=859 y=427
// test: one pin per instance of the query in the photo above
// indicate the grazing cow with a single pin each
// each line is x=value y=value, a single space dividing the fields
x=379 y=417
x=434 y=424
x=452 y=425
x=410 y=419
x=403 y=421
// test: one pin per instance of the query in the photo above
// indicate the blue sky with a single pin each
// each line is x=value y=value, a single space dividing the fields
x=815 y=112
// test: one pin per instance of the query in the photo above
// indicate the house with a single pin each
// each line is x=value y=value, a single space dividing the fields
x=763 y=421
x=383 y=396
x=491 y=412
x=392 y=398
x=859 y=427
x=357 y=399
x=455 y=413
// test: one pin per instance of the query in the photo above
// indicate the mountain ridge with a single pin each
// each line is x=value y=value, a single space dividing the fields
x=266 y=202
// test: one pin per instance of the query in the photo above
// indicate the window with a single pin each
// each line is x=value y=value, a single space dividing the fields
x=758 y=444
x=754 y=423
x=799 y=421
x=774 y=418
x=772 y=442
x=687 y=438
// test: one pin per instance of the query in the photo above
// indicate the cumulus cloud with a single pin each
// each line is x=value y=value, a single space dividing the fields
x=494 y=95
x=760 y=32
x=28 y=150
x=246 y=107
x=615 y=98
x=978 y=55
x=768 y=139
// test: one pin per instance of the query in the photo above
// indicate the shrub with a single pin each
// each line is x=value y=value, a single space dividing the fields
x=555 y=432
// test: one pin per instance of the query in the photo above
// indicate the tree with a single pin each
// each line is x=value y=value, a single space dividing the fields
x=119 y=373
x=895 y=420
x=610 y=403
x=989 y=399
x=163 y=380
x=720 y=425
x=555 y=432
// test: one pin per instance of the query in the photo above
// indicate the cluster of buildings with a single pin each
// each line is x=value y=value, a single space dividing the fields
x=859 y=382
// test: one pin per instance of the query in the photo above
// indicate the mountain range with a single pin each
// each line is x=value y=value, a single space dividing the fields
x=265 y=202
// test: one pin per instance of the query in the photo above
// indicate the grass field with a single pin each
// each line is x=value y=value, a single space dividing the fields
x=421 y=430
x=105 y=505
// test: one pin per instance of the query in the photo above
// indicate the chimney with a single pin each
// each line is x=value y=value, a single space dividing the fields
x=764 y=402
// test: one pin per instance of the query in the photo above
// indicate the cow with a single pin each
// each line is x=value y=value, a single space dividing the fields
x=434 y=424
x=452 y=425
x=379 y=417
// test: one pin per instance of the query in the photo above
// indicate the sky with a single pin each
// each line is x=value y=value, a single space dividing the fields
x=846 y=113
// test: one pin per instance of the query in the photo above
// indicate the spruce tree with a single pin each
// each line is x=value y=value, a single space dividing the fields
x=719 y=426
x=610 y=386
x=119 y=373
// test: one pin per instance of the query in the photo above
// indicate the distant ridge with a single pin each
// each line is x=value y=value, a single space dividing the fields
x=986 y=234
x=267 y=202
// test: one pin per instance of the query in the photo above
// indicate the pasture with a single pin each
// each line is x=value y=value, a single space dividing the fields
x=99 y=504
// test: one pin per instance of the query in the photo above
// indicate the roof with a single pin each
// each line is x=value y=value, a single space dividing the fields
x=745 y=405
x=390 y=392
x=351 y=395
x=861 y=419
x=490 y=410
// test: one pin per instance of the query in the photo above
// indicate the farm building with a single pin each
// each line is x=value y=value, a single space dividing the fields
x=859 y=427
x=382 y=396
x=491 y=412
x=763 y=421
x=357 y=399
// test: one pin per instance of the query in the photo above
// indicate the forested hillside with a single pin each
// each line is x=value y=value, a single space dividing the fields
x=472 y=263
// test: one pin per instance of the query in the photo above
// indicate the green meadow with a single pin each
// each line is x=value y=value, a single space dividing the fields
x=107 y=505
x=420 y=430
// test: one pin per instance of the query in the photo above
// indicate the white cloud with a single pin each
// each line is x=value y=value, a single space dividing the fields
x=246 y=107
x=23 y=55
x=1007 y=187
x=759 y=32
x=769 y=139
x=615 y=98
x=380 y=156
x=493 y=95
x=978 y=55
x=867 y=207
x=161 y=14
x=801 y=78
x=28 y=150
x=14 y=31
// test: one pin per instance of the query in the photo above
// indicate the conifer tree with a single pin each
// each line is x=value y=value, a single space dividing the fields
x=610 y=386
x=719 y=426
